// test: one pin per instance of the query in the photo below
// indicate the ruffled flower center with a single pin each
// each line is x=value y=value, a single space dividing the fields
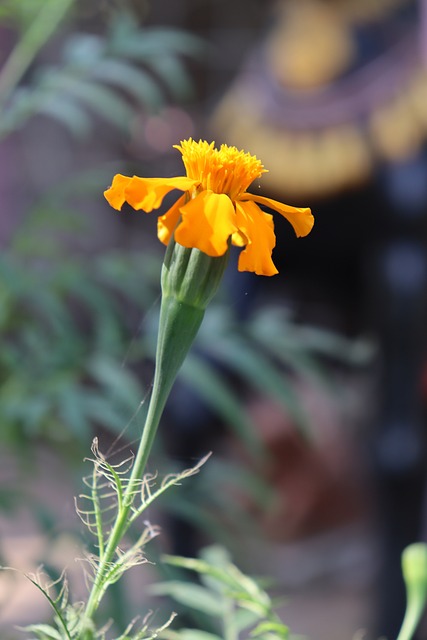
x=225 y=170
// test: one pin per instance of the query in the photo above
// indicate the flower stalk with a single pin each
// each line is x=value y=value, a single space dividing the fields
x=414 y=569
x=189 y=280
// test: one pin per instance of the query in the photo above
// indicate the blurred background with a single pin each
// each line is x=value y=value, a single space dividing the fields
x=309 y=387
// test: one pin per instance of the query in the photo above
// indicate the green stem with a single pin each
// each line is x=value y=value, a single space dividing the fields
x=414 y=569
x=412 y=617
x=189 y=280
x=178 y=327
x=30 y=43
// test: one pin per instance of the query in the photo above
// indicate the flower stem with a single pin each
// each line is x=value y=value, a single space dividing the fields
x=414 y=568
x=189 y=280
x=412 y=617
x=178 y=327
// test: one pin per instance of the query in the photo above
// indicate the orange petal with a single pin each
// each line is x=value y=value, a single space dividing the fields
x=300 y=218
x=166 y=224
x=258 y=227
x=239 y=239
x=115 y=195
x=208 y=221
x=148 y=193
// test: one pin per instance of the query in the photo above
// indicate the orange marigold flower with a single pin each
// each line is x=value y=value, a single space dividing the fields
x=215 y=205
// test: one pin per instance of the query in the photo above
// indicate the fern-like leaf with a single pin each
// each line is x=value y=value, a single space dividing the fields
x=110 y=76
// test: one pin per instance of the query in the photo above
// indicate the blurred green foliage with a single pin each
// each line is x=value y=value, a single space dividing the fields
x=225 y=602
x=21 y=13
x=64 y=317
x=112 y=74
x=64 y=336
